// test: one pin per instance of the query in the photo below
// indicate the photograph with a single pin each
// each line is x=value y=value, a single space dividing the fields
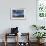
x=17 y=13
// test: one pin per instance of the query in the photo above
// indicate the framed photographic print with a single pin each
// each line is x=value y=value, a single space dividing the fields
x=17 y=13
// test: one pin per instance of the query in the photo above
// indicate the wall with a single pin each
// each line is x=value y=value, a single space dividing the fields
x=24 y=25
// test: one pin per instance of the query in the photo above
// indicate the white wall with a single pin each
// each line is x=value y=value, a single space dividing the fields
x=24 y=25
